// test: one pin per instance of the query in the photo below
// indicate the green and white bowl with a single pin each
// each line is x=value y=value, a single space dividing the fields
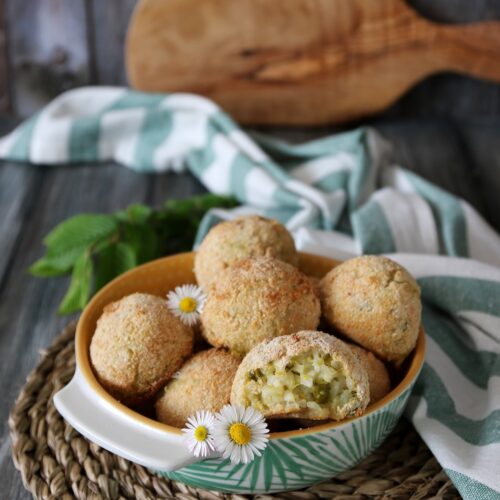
x=292 y=460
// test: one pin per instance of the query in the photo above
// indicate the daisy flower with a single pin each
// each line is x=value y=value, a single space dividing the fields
x=240 y=433
x=187 y=302
x=198 y=434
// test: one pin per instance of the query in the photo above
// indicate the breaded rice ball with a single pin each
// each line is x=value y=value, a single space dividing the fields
x=378 y=376
x=137 y=345
x=235 y=240
x=376 y=303
x=203 y=383
x=257 y=299
x=308 y=375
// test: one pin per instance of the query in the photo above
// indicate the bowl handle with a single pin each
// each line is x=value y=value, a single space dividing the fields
x=119 y=433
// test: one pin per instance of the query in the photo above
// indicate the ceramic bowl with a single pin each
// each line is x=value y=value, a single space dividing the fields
x=292 y=460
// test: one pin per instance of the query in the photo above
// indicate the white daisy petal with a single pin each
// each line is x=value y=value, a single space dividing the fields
x=235 y=455
x=244 y=454
x=186 y=302
x=240 y=413
x=247 y=416
x=238 y=444
x=226 y=415
x=198 y=434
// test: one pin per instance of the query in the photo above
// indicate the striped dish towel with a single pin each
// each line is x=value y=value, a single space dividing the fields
x=340 y=196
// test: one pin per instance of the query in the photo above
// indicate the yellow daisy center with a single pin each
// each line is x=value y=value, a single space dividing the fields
x=187 y=305
x=200 y=433
x=240 y=433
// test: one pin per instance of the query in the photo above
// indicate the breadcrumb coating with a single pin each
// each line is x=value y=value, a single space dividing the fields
x=137 y=345
x=378 y=376
x=238 y=239
x=375 y=302
x=257 y=299
x=203 y=383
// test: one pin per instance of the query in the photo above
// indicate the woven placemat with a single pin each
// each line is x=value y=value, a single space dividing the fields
x=56 y=462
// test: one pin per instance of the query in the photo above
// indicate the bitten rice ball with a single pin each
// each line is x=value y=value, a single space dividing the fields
x=307 y=375
x=137 y=345
x=203 y=383
x=376 y=303
x=378 y=376
x=257 y=299
x=232 y=241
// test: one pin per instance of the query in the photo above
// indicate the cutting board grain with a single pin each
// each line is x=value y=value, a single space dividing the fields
x=299 y=62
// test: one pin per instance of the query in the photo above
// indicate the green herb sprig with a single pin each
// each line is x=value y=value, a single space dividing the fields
x=95 y=248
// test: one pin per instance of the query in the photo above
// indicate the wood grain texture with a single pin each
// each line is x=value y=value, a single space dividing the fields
x=103 y=25
x=479 y=136
x=299 y=62
x=5 y=104
x=109 y=21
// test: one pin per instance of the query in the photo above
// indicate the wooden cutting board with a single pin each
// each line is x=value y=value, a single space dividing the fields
x=299 y=62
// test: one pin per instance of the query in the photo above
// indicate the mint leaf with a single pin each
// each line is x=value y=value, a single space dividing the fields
x=47 y=267
x=143 y=241
x=53 y=264
x=112 y=261
x=139 y=213
x=136 y=213
x=116 y=243
x=78 y=232
x=78 y=293
x=66 y=242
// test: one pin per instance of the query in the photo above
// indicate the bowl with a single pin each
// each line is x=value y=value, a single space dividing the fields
x=292 y=460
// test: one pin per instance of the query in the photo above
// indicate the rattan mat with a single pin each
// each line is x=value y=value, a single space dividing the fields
x=57 y=462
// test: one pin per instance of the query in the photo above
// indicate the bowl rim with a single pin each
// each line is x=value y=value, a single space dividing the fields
x=85 y=369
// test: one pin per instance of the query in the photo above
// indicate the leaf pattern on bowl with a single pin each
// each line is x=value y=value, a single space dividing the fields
x=292 y=463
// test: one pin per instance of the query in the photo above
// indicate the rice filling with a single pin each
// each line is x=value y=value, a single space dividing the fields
x=310 y=380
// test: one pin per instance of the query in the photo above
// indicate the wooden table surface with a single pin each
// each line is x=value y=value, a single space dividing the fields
x=463 y=158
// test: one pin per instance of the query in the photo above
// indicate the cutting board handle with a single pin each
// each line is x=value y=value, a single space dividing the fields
x=472 y=49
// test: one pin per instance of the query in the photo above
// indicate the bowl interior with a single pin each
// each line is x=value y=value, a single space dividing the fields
x=162 y=275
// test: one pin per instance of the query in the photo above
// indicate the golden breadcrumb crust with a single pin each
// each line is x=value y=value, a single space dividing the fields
x=378 y=376
x=203 y=383
x=232 y=241
x=257 y=299
x=376 y=303
x=137 y=345
x=281 y=349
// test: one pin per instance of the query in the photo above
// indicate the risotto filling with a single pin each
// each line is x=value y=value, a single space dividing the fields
x=311 y=380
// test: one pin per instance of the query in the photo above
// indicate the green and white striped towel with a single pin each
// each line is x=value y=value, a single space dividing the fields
x=340 y=196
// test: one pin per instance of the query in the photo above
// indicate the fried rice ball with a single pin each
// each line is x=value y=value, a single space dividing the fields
x=137 y=345
x=256 y=299
x=307 y=375
x=378 y=376
x=203 y=383
x=375 y=302
x=235 y=240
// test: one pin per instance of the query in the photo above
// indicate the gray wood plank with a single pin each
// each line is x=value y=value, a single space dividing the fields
x=457 y=11
x=481 y=140
x=433 y=150
x=4 y=74
x=171 y=185
x=28 y=320
x=48 y=48
x=18 y=186
x=109 y=26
